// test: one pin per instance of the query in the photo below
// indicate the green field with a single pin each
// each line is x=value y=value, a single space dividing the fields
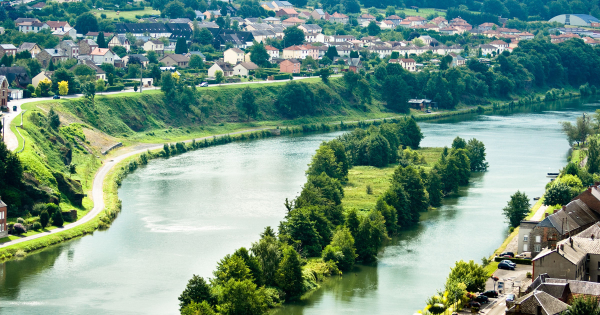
x=126 y=14
x=355 y=191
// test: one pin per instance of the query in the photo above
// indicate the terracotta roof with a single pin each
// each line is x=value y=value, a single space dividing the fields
x=267 y=47
x=99 y=51
x=293 y=20
x=288 y=11
x=56 y=24
x=393 y=17
x=339 y=16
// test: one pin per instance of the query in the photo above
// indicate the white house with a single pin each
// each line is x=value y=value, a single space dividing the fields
x=243 y=68
x=103 y=55
x=233 y=56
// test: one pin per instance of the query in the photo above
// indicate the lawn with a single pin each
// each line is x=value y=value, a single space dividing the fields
x=126 y=14
x=359 y=177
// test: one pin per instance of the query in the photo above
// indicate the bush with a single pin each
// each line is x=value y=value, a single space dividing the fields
x=37 y=226
x=283 y=76
x=528 y=275
x=369 y=190
x=44 y=218
x=20 y=220
x=520 y=261
x=57 y=219
x=19 y=229
x=38 y=208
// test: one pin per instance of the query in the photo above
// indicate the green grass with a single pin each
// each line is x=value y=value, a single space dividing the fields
x=359 y=177
x=126 y=14
x=491 y=268
x=411 y=12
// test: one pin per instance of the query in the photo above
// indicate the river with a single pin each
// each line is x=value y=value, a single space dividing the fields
x=183 y=214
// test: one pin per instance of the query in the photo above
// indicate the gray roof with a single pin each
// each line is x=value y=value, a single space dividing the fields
x=177 y=57
x=8 y=46
x=320 y=11
x=529 y=303
x=557 y=290
x=90 y=64
x=140 y=57
x=248 y=65
x=2 y=204
x=587 y=18
x=579 y=287
x=224 y=65
x=262 y=33
x=27 y=46
x=55 y=52
x=312 y=27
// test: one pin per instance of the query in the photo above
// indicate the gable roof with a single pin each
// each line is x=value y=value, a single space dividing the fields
x=248 y=65
x=100 y=51
x=90 y=64
x=578 y=287
x=224 y=66
x=236 y=50
x=288 y=11
x=27 y=46
x=56 y=24
x=339 y=16
x=140 y=57
x=529 y=303
x=176 y=57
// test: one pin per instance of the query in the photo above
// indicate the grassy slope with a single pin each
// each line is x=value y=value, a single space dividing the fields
x=355 y=191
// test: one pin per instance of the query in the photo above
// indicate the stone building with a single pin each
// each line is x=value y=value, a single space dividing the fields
x=86 y=46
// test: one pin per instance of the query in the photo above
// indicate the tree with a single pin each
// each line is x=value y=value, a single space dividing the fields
x=289 y=275
x=196 y=290
x=53 y=119
x=259 y=55
x=396 y=98
x=343 y=243
x=370 y=235
x=44 y=218
x=231 y=267
x=579 y=132
x=331 y=52
x=324 y=161
x=122 y=51
x=471 y=274
x=373 y=29
x=267 y=252
x=241 y=297
x=247 y=102
x=167 y=85
x=205 y=37
x=174 y=10
x=412 y=184
x=85 y=23
x=434 y=188
x=63 y=88
x=219 y=76
x=583 y=305
x=181 y=46
x=44 y=87
x=293 y=36
x=557 y=194
x=459 y=143
x=476 y=152
x=101 y=85
x=593 y=155
x=57 y=218
x=324 y=74
x=89 y=91
x=196 y=62
x=101 y=41
x=198 y=309
x=517 y=208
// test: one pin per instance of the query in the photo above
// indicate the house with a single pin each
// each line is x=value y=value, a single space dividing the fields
x=269 y=6
x=272 y=51
x=58 y=25
x=27 y=25
x=224 y=67
x=71 y=32
x=243 y=68
x=457 y=60
x=487 y=26
x=282 y=4
x=287 y=12
x=537 y=303
x=94 y=35
x=439 y=21
x=32 y=48
x=143 y=60
x=365 y=19
x=120 y=40
x=292 y=52
x=3 y=208
x=272 y=20
x=3 y=104
x=70 y=48
x=238 y=39
x=199 y=15
x=86 y=46
x=196 y=53
x=154 y=30
x=100 y=74
x=293 y=21
x=305 y=15
x=414 y=20
x=354 y=65
x=407 y=64
x=338 y=18
x=487 y=49
x=39 y=5
x=500 y=44
x=172 y=60
x=290 y=66
x=319 y=14
x=525 y=229
x=155 y=45
x=7 y=49
x=566 y=261
x=261 y=36
x=179 y=30
x=419 y=104
x=41 y=77
x=214 y=14
x=385 y=24
x=382 y=51
x=53 y=54
x=526 y=35
x=16 y=74
x=394 y=19
x=103 y=55
x=574 y=288
x=311 y=29
x=258 y=27
x=233 y=56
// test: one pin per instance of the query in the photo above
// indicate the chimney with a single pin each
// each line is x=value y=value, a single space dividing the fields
x=555 y=211
x=592 y=237
x=546 y=214
x=571 y=241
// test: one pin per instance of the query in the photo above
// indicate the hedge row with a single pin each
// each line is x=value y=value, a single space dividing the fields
x=519 y=261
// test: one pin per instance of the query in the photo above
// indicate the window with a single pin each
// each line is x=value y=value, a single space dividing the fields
x=525 y=248
x=538 y=248
x=538 y=239
x=525 y=237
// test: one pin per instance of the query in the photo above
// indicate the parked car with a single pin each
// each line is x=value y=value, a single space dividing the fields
x=510 y=298
x=56 y=97
x=510 y=263
x=511 y=254
x=474 y=304
x=204 y=84
x=490 y=294
x=524 y=255
x=503 y=265
x=481 y=299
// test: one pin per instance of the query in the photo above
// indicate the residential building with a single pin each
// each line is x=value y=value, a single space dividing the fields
x=500 y=44
x=53 y=54
x=173 y=60
x=319 y=14
x=244 y=68
x=16 y=74
x=155 y=45
x=439 y=21
x=282 y=4
x=574 y=288
x=3 y=104
x=365 y=19
x=292 y=52
x=258 y=27
x=58 y=25
x=26 y=25
x=287 y=12
x=272 y=20
x=385 y=24
x=457 y=60
x=120 y=40
x=408 y=64
x=354 y=65
x=487 y=26
x=100 y=74
x=71 y=32
x=7 y=49
x=3 y=207
x=394 y=19
x=293 y=21
x=32 y=48
x=566 y=261
x=197 y=53
x=524 y=233
x=414 y=20
x=238 y=39
x=199 y=15
x=41 y=77
x=261 y=36
x=338 y=18
x=311 y=29
x=487 y=49
x=268 y=6
x=39 y=5
x=272 y=51
x=233 y=56
x=70 y=48
x=143 y=60
x=154 y=30
x=537 y=303
x=224 y=67
x=103 y=55
x=86 y=46
x=290 y=66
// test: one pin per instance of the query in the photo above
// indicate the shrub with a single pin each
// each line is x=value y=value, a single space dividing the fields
x=19 y=229
x=20 y=220
x=37 y=226
x=57 y=219
x=38 y=208
x=52 y=208
x=44 y=218
x=369 y=190
x=528 y=275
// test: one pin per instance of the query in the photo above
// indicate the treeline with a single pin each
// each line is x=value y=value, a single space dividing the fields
x=270 y=272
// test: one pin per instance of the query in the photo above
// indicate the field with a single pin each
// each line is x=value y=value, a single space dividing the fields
x=355 y=191
x=412 y=12
x=126 y=14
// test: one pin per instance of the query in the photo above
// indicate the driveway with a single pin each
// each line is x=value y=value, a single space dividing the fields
x=513 y=281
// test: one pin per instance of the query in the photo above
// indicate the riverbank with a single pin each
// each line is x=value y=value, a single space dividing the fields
x=315 y=128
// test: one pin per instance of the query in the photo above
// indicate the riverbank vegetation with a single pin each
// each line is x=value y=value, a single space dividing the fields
x=318 y=229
